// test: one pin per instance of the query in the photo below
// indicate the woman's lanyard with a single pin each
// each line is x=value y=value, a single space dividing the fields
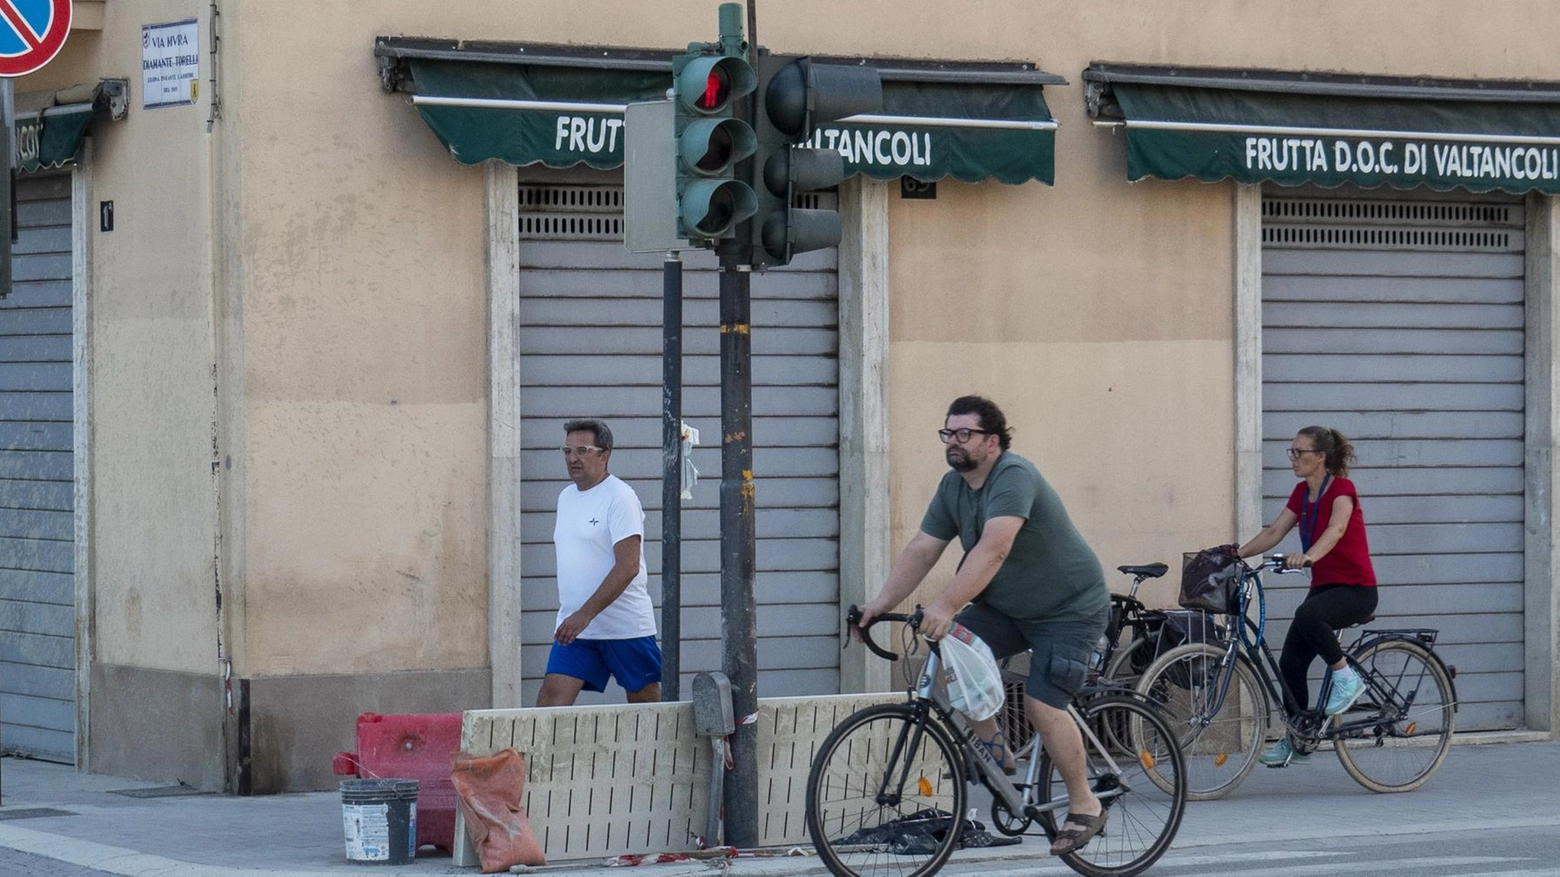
x=1309 y=512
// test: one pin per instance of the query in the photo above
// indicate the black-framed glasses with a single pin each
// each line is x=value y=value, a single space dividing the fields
x=1294 y=453
x=579 y=451
x=963 y=433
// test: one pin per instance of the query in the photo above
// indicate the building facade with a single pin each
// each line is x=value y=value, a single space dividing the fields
x=293 y=335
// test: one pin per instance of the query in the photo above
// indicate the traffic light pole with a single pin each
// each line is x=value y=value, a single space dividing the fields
x=671 y=476
x=739 y=658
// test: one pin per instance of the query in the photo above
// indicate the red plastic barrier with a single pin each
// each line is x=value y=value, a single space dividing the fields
x=411 y=746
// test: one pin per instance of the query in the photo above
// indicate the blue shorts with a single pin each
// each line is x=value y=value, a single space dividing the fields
x=1059 y=651
x=635 y=663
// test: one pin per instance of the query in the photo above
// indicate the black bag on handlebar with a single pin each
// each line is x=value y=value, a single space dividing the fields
x=1210 y=579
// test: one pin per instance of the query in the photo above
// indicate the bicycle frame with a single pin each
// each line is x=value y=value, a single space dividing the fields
x=1128 y=612
x=1019 y=799
x=1309 y=724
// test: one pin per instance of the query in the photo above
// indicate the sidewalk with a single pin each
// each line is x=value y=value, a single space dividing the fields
x=204 y=835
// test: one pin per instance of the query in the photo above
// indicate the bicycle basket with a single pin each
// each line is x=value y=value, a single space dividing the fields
x=1210 y=580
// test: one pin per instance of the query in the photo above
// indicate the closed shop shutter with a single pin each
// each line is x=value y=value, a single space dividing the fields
x=37 y=590
x=1398 y=320
x=590 y=346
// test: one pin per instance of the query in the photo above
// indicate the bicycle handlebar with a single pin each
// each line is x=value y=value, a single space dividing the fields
x=853 y=619
x=1275 y=562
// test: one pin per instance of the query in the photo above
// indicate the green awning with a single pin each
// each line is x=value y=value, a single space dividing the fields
x=1294 y=129
x=563 y=107
x=50 y=126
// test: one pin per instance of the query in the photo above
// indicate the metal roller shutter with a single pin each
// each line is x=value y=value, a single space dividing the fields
x=37 y=530
x=1399 y=320
x=590 y=346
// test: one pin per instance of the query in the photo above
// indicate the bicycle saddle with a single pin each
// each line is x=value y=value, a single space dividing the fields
x=1147 y=571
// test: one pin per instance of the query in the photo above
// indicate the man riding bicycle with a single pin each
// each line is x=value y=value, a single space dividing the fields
x=1030 y=582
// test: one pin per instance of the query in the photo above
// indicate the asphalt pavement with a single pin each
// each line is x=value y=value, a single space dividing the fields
x=57 y=821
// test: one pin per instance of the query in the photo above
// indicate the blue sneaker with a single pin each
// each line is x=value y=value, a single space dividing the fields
x=1281 y=753
x=1346 y=689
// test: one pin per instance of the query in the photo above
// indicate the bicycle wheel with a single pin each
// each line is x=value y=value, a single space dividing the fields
x=1144 y=814
x=1220 y=747
x=1399 y=731
x=886 y=794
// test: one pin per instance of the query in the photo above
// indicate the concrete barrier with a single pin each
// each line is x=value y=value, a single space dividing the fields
x=608 y=780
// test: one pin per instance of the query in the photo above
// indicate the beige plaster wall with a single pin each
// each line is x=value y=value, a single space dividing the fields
x=153 y=512
x=363 y=361
x=349 y=305
x=1098 y=312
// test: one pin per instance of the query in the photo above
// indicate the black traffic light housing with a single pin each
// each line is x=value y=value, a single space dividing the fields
x=795 y=96
x=707 y=82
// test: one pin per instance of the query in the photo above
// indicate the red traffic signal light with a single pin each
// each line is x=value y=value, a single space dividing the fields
x=707 y=84
x=717 y=89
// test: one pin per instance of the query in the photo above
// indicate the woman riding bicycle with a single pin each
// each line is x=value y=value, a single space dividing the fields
x=1343 y=582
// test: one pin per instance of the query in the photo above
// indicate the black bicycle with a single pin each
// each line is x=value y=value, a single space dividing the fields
x=887 y=791
x=1135 y=635
x=1220 y=697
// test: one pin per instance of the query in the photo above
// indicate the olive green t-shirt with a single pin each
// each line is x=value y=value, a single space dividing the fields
x=1050 y=574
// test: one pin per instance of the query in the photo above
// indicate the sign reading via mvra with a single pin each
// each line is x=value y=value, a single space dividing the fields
x=170 y=64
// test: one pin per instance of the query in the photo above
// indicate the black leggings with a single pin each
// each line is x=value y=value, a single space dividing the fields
x=1311 y=634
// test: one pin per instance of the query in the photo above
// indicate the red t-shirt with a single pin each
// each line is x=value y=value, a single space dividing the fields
x=1348 y=563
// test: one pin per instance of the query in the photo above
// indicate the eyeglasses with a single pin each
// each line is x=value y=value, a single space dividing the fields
x=580 y=451
x=1294 y=453
x=962 y=434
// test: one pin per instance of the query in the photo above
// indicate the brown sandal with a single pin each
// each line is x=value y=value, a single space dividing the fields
x=1083 y=829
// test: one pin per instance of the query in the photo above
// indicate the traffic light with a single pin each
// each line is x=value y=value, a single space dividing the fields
x=710 y=140
x=797 y=95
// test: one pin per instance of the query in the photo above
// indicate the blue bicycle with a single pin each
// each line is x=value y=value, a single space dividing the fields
x=1220 y=697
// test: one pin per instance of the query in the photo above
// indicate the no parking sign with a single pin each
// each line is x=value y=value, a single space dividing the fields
x=31 y=34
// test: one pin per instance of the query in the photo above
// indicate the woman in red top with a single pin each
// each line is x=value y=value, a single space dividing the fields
x=1343 y=582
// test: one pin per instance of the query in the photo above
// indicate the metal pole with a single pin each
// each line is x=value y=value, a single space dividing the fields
x=7 y=225
x=737 y=500
x=671 y=475
x=8 y=200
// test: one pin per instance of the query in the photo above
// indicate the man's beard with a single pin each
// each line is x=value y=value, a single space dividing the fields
x=960 y=460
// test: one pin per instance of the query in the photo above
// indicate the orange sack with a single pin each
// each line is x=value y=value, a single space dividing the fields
x=487 y=791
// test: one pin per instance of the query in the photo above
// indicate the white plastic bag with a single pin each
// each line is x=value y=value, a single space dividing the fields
x=690 y=475
x=971 y=674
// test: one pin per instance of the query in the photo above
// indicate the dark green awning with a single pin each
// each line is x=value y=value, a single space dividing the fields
x=562 y=108
x=50 y=125
x=1293 y=129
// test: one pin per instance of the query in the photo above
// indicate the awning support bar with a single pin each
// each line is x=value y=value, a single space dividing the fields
x=577 y=107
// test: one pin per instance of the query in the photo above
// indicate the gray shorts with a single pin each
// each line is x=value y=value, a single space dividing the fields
x=1059 y=650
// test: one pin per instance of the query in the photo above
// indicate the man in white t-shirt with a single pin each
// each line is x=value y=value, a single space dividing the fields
x=606 y=623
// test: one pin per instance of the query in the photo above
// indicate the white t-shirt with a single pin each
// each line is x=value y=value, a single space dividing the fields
x=589 y=524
